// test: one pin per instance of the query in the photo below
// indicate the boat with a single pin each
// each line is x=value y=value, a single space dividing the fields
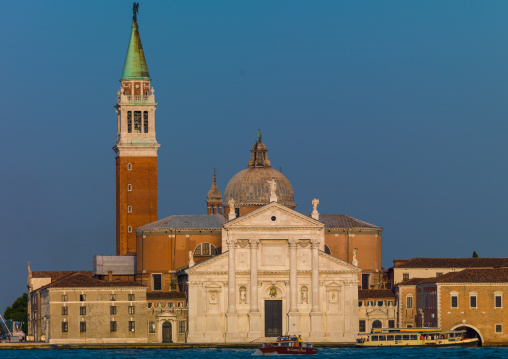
x=415 y=337
x=287 y=345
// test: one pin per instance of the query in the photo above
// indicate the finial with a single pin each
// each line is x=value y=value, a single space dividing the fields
x=135 y=8
x=280 y=169
x=315 y=213
x=259 y=135
x=214 y=171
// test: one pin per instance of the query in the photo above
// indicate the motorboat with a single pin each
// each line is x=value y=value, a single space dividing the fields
x=287 y=345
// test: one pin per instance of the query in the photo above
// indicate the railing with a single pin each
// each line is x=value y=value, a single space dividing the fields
x=135 y=98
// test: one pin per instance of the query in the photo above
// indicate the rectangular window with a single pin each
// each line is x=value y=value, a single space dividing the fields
x=131 y=326
x=160 y=304
x=455 y=301
x=112 y=297
x=65 y=310
x=472 y=301
x=499 y=328
x=180 y=304
x=151 y=327
x=374 y=338
x=145 y=121
x=112 y=326
x=181 y=326
x=405 y=276
x=129 y=121
x=82 y=327
x=365 y=281
x=64 y=298
x=410 y=326
x=149 y=304
x=65 y=327
x=499 y=301
x=131 y=309
x=82 y=310
x=137 y=121
x=170 y=304
x=205 y=249
x=360 y=303
x=390 y=303
x=112 y=310
x=129 y=229
x=439 y=274
x=409 y=302
x=362 y=326
x=131 y=297
x=82 y=297
x=391 y=324
x=157 y=281
x=398 y=337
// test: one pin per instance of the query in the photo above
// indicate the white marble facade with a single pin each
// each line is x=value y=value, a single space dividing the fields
x=273 y=254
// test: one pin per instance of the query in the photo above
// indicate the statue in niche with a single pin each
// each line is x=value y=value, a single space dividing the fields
x=243 y=295
x=305 y=295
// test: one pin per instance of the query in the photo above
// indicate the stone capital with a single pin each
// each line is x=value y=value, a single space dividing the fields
x=293 y=242
x=254 y=242
x=231 y=243
x=315 y=243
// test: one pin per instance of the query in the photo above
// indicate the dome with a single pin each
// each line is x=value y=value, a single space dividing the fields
x=250 y=186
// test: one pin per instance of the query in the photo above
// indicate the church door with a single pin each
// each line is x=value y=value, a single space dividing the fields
x=166 y=333
x=273 y=318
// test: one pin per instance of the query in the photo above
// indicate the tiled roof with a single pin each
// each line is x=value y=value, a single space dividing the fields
x=454 y=263
x=165 y=295
x=56 y=275
x=343 y=221
x=198 y=221
x=375 y=293
x=80 y=280
x=496 y=275
x=412 y=281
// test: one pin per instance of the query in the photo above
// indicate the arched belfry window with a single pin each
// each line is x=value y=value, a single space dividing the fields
x=205 y=250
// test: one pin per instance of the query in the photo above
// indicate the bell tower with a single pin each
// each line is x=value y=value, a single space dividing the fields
x=136 y=147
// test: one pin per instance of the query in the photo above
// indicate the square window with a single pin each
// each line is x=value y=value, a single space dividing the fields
x=82 y=327
x=499 y=328
x=82 y=310
x=112 y=310
x=455 y=301
x=65 y=310
x=472 y=301
x=131 y=297
x=112 y=326
x=170 y=304
x=181 y=326
x=362 y=326
x=65 y=327
x=439 y=274
x=82 y=297
x=132 y=325
x=112 y=297
x=405 y=276
x=151 y=327
x=390 y=303
x=380 y=303
x=157 y=281
x=160 y=304
x=499 y=301
x=64 y=298
x=131 y=309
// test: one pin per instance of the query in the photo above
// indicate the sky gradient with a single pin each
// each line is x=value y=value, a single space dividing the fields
x=390 y=112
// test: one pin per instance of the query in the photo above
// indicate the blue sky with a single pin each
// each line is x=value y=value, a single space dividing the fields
x=390 y=112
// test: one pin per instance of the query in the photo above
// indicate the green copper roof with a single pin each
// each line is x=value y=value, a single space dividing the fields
x=135 y=64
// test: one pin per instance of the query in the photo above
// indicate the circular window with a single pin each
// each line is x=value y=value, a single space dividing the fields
x=274 y=218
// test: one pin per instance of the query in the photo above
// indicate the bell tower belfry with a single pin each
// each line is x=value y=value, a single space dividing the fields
x=135 y=148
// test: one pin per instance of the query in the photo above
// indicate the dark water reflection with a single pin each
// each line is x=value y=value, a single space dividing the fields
x=323 y=353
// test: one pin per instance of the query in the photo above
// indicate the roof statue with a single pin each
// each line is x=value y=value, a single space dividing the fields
x=259 y=135
x=273 y=187
x=355 y=259
x=315 y=213
x=135 y=8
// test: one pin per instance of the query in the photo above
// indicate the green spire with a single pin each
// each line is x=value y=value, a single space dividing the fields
x=135 y=64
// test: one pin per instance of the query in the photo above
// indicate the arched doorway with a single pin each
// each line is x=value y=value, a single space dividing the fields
x=167 y=333
x=376 y=324
x=471 y=332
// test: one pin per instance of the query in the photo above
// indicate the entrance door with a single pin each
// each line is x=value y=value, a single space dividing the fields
x=166 y=333
x=273 y=318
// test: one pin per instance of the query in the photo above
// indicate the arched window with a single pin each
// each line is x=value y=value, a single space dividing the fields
x=327 y=250
x=205 y=250
x=376 y=324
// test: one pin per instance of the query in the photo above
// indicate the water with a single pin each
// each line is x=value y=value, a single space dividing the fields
x=323 y=353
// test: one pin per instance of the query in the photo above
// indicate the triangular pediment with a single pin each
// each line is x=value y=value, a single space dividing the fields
x=274 y=215
x=215 y=264
x=330 y=263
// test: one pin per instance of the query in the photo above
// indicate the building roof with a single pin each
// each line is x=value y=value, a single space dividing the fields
x=80 y=280
x=454 y=263
x=375 y=293
x=343 y=221
x=56 y=275
x=491 y=275
x=250 y=186
x=135 y=67
x=165 y=295
x=412 y=281
x=198 y=221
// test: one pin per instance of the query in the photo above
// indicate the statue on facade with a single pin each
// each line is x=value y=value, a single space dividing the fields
x=305 y=295
x=191 y=258
x=243 y=295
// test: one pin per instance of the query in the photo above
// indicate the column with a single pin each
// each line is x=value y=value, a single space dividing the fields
x=316 y=316
x=294 y=318
x=231 y=315
x=254 y=314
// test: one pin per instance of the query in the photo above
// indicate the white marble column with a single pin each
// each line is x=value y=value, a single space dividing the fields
x=254 y=314
x=294 y=318
x=316 y=316
x=231 y=315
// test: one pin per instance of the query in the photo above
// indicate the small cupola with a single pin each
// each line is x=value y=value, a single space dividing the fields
x=214 y=197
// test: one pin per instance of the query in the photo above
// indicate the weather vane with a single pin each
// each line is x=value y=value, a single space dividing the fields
x=259 y=135
x=135 y=8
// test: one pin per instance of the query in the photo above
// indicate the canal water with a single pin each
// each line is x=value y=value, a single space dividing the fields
x=332 y=353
